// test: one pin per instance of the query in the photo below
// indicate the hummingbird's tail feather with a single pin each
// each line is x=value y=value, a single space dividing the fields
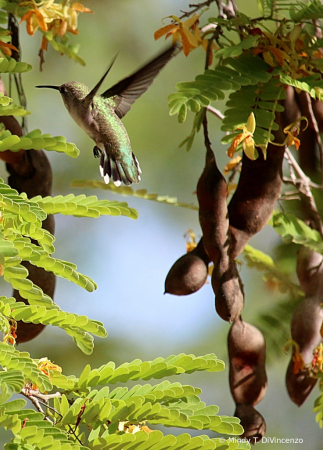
x=119 y=171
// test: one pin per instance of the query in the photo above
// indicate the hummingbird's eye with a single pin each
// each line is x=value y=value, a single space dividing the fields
x=62 y=89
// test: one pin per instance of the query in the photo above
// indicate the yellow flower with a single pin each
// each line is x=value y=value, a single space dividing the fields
x=246 y=137
x=52 y=16
x=34 y=20
x=231 y=165
x=190 y=241
x=317 y=362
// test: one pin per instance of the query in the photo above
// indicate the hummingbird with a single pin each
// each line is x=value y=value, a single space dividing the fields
x=100 y=116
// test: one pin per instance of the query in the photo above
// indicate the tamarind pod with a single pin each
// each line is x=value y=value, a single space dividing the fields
x=305 y=331
x=247 y=356
x=212 y=194
x=299 y=385
x=189 y=273
x=253 y=201
x=305 y=325
x=317 y=106
x=309 y=271
x=307 y=156
x=253 y=423
x=292 y=111
x=303 y=99
x=228 y=289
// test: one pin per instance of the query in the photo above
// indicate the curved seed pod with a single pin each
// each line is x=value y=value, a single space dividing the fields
x=212 y=191
x=306 y=325
x=253 y=423
x=308 y=158
x=303 y=100
x=189 y=273
x=309 y=271
x=252 y=203
x=228 y=289
x=299 y=385
x=247 y=355
x=212 y=194
x=292 y=111
x=305 y=331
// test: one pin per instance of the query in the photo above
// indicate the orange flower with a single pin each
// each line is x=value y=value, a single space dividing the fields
x=11 y=335
x=292 y=131
x=34 y=20
x=231 y=165
x=6 y=48
x=298 y=362
x=180 y=31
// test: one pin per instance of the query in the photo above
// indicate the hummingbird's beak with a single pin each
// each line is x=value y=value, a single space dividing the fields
x=58 y=88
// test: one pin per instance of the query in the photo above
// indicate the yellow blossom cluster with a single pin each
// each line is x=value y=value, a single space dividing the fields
x=50 y=16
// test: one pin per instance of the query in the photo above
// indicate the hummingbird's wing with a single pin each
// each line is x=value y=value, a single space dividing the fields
x=90 y=95
x=126 y=92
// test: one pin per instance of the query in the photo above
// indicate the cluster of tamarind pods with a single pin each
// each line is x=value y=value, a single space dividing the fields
x=226 y=228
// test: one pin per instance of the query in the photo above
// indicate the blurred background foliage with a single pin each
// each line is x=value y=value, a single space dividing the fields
x=130 y=259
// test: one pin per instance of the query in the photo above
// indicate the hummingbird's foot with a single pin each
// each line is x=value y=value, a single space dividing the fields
x=97 y=152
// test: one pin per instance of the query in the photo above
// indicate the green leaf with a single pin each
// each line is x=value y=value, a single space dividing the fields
x=236 y=50
x=128 y=191
x=83 y=206
x=295 y=230
x=10 y=65
x=22 y=367
x=36 y=141
x=259 y=260
x=158 y=368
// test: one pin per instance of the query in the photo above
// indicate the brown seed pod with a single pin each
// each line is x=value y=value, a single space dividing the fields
x=299 y=385
x=212 y=194
x=305 y=330
x=252 y=203
x=212 y=191
x=309 y=271
x=247 y=355
x=228 y=289
x=306 y=325
x=292 y=111
x=253 y=423
x=189 y=273
x=305 y=101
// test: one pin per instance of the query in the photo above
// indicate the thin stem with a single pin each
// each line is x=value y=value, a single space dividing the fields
x=302 y=183
x=215 y=112
x=317 y=131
